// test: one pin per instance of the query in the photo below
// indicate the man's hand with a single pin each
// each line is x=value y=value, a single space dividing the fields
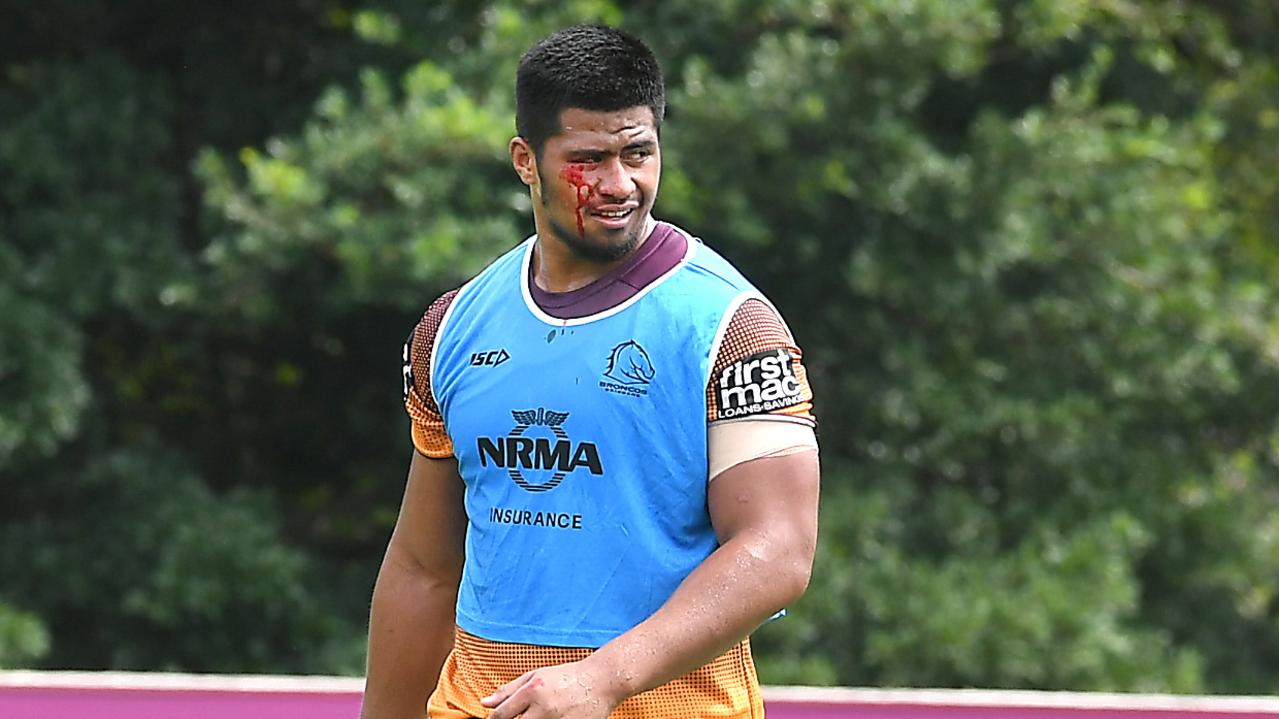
x=565 y=691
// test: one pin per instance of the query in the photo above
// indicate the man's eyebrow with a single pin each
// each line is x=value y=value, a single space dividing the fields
x=592 y=150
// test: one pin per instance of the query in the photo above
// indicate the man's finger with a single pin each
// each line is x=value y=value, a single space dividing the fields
x=506 y=690
x=511 y=708
x=520 y=701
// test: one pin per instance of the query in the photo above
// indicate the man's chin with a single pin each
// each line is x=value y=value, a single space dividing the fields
x=604 y=247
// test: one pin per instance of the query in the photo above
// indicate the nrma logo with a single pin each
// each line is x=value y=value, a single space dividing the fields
x=526 y=451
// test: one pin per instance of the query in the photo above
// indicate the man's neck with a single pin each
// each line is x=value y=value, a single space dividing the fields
x=556 y=268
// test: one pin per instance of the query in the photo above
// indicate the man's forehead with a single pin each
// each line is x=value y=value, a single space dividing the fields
x=629 y=124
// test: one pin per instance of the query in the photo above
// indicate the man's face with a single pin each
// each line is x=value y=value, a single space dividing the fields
x=596 y=180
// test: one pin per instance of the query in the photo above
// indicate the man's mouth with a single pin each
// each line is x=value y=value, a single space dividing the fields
x=613 y=217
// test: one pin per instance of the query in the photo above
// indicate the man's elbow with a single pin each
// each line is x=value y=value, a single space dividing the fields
x=786 y=568
x=436 y=572
x=795 y=572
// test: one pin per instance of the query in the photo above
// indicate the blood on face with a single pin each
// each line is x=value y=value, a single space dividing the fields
x=576 y=178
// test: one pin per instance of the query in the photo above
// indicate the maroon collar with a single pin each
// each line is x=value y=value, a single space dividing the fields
x=658 y=255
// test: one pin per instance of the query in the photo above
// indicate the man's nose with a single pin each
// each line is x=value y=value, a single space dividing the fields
x=614 y=180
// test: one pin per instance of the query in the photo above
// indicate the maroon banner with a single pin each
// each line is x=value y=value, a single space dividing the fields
x=126 y=695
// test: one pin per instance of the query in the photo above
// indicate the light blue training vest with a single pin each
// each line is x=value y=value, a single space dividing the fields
x=582 y=444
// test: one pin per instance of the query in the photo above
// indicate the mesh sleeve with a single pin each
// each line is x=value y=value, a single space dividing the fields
x=759 y=370
x=429 y=435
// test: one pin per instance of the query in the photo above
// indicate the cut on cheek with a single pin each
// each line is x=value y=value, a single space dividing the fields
x=576 y=179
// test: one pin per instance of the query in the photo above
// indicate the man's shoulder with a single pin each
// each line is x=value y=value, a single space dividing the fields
x=421 y=343
x=711 y=267
x=433 y=317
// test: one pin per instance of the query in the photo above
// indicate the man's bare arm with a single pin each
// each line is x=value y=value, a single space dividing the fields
x=765 y=514
x=411 y=623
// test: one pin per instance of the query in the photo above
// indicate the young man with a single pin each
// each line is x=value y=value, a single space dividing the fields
x=615 y=477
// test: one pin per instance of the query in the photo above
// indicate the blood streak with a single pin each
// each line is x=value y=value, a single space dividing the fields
x=573 y=175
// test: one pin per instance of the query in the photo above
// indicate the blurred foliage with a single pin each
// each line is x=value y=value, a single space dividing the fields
x=194 y=580
x=1027 y=245
x=23 y=637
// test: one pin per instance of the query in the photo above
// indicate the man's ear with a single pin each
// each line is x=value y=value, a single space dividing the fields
x=524 y=160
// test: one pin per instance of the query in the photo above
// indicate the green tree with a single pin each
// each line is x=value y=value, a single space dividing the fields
x=1033 y=384
x=98 y=354
x=23 y=637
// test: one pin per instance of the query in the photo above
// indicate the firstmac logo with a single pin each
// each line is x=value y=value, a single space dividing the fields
x=762 y=382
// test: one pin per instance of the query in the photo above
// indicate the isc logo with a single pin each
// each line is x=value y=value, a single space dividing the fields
x=492 y=358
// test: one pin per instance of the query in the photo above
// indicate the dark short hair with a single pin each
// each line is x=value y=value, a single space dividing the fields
x=589 y=67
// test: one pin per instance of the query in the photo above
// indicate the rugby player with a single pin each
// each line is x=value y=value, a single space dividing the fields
x=615 y=476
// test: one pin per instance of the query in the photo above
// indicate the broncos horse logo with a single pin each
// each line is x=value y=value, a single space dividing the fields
x=629 y=364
